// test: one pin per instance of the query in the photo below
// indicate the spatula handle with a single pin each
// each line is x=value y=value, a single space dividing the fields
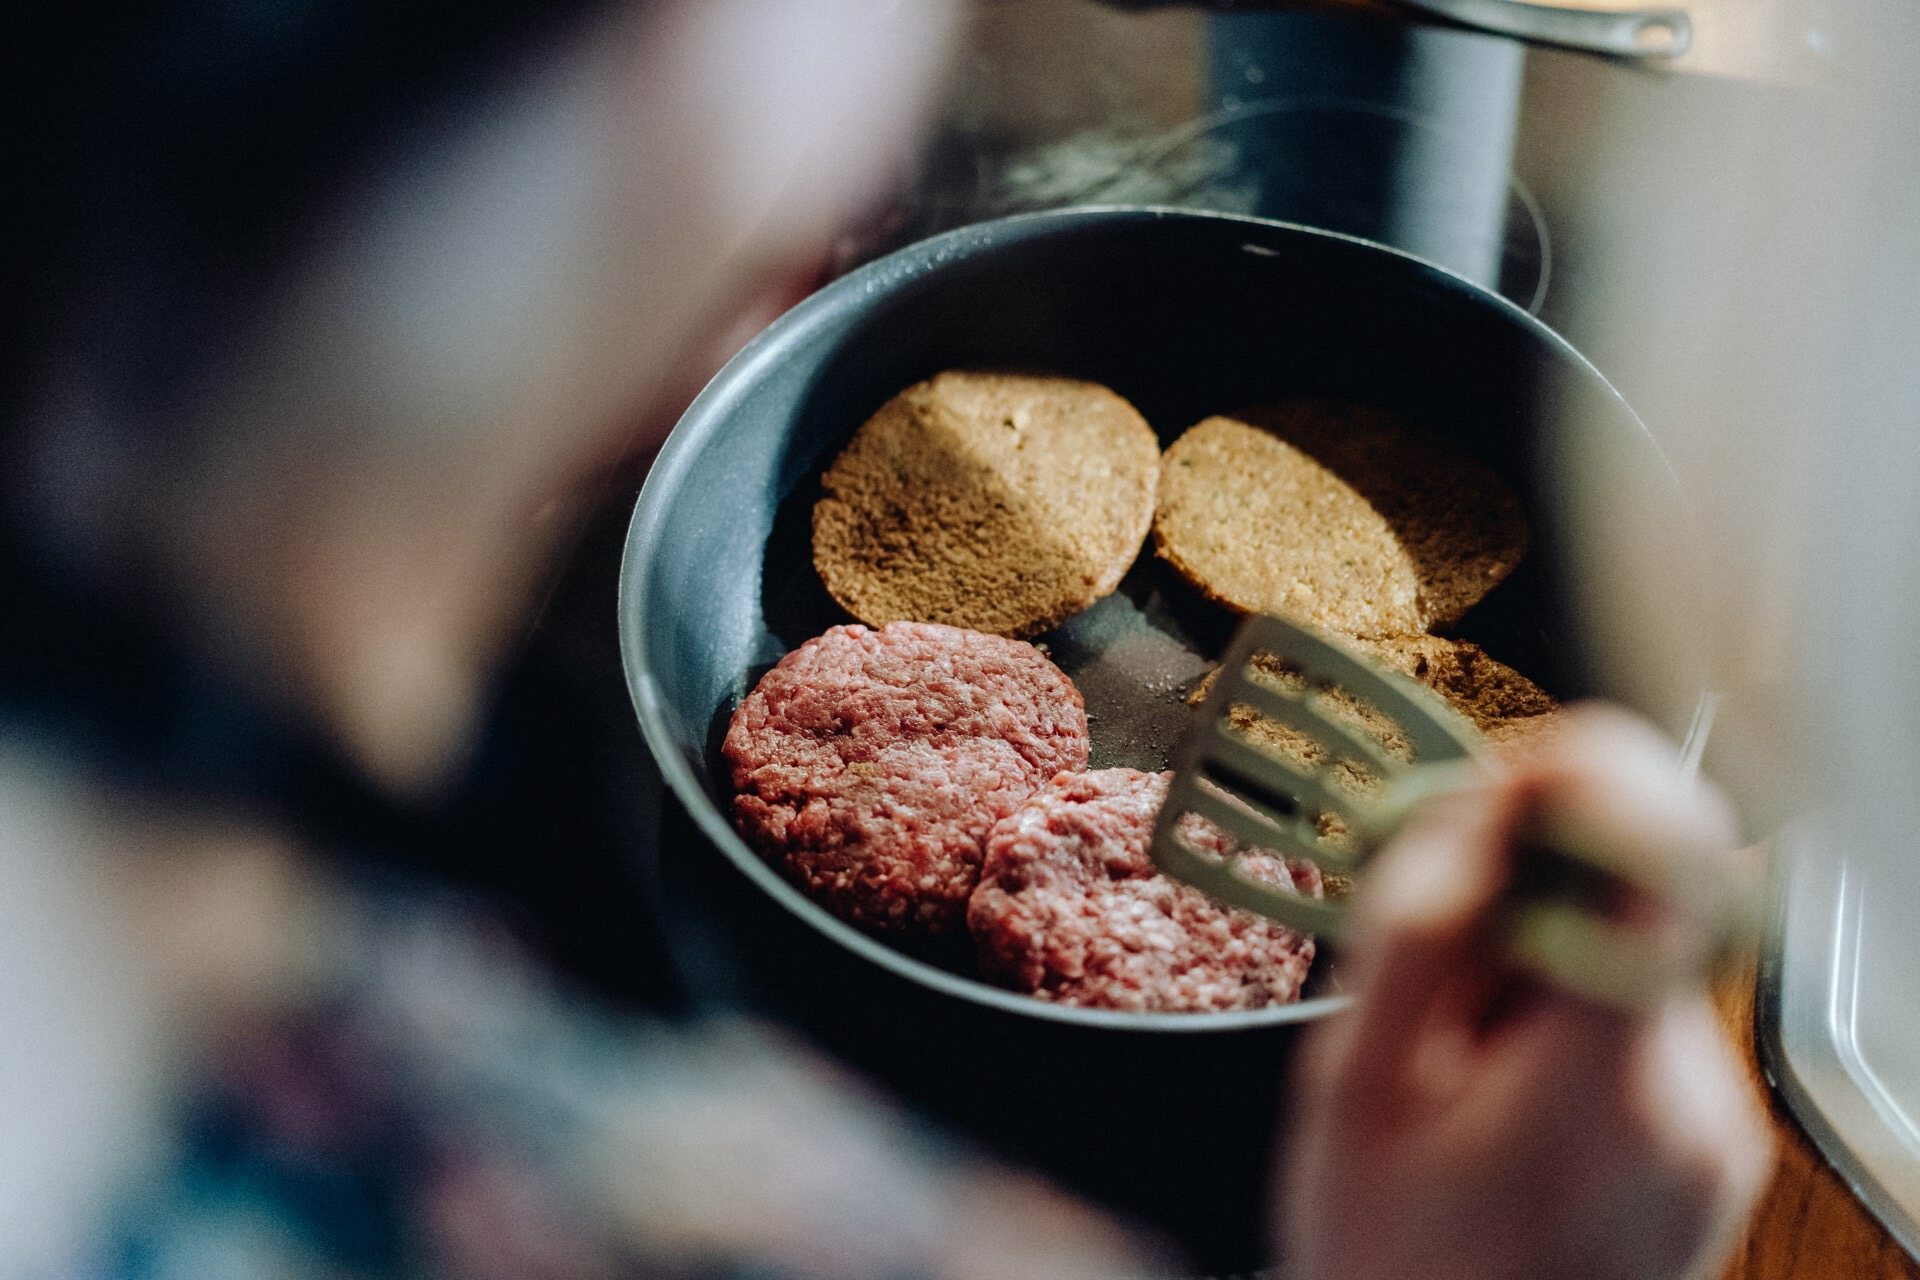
x=1583 y=921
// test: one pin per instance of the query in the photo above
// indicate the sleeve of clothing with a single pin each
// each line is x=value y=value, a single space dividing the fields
x=435 y=1108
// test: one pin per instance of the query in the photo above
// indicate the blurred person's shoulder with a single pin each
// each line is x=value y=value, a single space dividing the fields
x=80 y=1055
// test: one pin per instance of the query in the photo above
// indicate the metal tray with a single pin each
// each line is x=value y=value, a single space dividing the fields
x=1839 y=1015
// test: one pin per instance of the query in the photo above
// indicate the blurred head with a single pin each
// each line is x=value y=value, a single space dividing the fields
x=329 y=308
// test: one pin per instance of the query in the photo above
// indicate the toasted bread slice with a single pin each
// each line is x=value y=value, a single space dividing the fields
x=1508 y=708
x=996 y=501
x=1342 y=516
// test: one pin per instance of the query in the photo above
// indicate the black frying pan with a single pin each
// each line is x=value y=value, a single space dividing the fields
x=1169 y=1117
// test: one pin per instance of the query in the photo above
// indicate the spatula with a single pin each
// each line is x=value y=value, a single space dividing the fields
x=1373 y=746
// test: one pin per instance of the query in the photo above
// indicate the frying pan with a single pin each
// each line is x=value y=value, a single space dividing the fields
x=1167 y=1117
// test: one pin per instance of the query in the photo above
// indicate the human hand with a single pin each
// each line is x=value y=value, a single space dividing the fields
x=1465 y=1120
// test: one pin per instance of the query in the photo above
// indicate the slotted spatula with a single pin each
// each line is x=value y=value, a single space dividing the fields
x=1376 y=746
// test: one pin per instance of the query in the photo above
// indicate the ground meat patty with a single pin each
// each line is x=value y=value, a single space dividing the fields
x=1071 y=908
x=872 y=764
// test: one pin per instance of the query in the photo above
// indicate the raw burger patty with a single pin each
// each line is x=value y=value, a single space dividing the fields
x=1071 y=908
x=872 y=764
x=1000 y=501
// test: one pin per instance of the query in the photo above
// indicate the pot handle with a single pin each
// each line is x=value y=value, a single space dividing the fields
x=1622 y=33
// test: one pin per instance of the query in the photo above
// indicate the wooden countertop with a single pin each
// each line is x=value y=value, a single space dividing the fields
x=1809 y=1225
